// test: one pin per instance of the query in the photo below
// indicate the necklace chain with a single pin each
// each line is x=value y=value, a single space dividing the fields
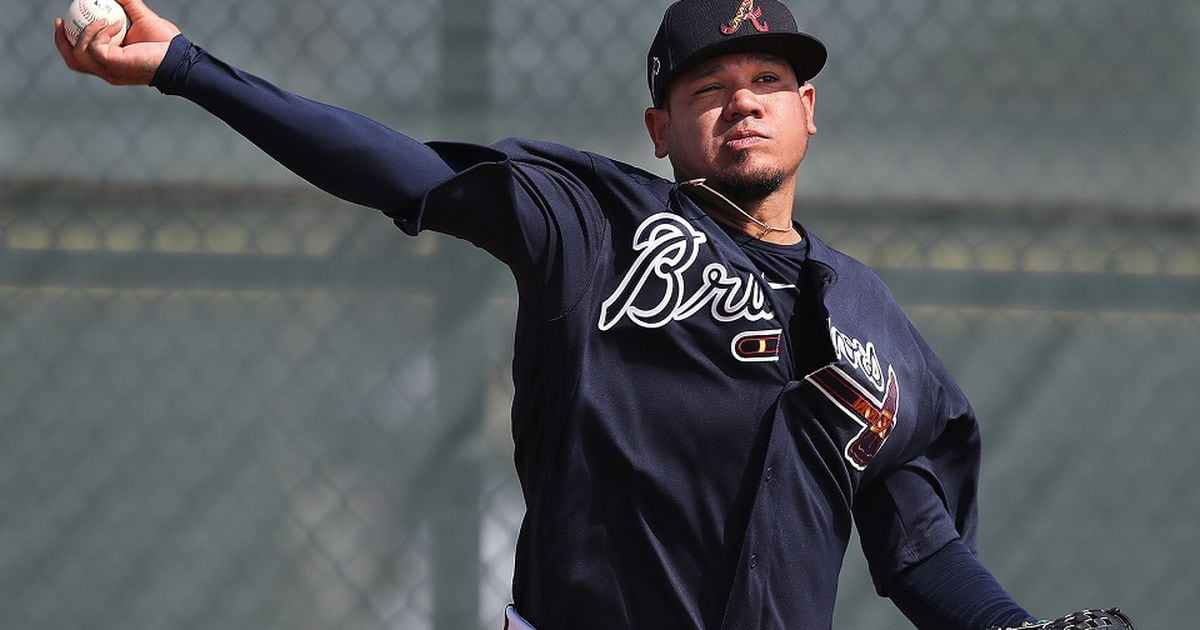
x=763 y=224
x=755 y=220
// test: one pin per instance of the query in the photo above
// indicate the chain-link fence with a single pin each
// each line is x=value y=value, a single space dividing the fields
x=228 y=401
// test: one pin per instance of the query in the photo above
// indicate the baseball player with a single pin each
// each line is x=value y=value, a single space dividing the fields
x=708 y=397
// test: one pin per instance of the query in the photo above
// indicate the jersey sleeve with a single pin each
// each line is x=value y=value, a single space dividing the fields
x=526 y=203
x=530 y=204
x=909 y=512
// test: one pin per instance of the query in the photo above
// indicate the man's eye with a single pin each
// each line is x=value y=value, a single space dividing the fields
x=708 y=88
x=767 y=78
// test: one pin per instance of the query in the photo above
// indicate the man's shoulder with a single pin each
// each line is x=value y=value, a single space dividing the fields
x=534 y=151
x=843 y=266
x=853 y=288
x=594 y=169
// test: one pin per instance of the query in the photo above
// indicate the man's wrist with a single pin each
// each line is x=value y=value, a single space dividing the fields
x=172 y=71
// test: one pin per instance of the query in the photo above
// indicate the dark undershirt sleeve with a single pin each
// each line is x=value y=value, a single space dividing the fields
x=952 y=589
x=341 y=152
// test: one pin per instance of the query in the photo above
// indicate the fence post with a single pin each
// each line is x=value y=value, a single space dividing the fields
x=456 y=519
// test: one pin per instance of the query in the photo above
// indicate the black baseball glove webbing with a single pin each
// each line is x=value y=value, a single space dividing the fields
x=1111 y=619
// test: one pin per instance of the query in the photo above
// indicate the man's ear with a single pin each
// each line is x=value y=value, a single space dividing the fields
x=808 y=100
x=657 y=122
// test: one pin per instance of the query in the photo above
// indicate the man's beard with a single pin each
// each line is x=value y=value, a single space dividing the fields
x=747 y=189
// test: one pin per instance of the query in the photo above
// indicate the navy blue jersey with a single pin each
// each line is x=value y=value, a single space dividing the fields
x=688 y=458
x=678 y=470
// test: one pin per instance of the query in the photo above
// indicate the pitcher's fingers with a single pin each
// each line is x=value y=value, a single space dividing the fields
x=83 y=41
x=88 y=33
x=101 y=47
x=65 y=49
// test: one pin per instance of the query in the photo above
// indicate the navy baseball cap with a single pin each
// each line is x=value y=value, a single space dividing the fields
x=693 y=31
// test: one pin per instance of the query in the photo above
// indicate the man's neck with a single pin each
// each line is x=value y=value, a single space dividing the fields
x=768 y=219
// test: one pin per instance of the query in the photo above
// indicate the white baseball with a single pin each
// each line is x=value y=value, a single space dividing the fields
x=84 y=12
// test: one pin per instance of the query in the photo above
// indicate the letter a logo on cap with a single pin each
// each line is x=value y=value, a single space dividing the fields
x=746 y=11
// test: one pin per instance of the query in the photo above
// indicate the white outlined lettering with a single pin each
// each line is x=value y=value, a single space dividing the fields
x=668 y=246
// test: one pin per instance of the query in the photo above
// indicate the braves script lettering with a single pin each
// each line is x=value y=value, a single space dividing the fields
x=668 y=246
x=861 y=356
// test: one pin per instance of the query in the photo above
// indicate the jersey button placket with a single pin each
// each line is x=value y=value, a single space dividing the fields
x=768 y=474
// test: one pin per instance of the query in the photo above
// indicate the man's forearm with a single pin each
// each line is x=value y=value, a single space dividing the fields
x=341 y=152
x=952 y=589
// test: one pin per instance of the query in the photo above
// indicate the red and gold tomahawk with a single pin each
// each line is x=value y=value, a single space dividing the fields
x=877 y=417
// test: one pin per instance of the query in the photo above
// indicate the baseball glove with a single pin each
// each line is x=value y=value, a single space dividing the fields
x=1111 y=619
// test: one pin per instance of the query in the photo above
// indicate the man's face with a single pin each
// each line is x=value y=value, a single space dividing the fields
x=741 y=121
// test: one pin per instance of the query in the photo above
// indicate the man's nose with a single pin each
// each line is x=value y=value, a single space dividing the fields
x=743 y=103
